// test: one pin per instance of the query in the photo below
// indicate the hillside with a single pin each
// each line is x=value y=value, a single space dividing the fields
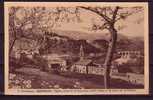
x=67 y=42
x=63 y=44
x=77 y=35
x=123 y=44
x=99 y=40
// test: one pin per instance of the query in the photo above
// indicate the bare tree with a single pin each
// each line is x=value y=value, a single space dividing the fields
x=12 y=28
x=38 y=18
x=17 y=25
x=109 y=17
x=54 y=17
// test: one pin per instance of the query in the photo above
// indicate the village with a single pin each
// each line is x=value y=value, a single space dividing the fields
x=85 y=65
x=76 y=49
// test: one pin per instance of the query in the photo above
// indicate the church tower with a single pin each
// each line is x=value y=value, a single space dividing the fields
x=81 y=53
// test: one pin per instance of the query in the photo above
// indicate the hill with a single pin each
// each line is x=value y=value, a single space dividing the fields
x=55 y=43
x=67 y=42
x=123 y=44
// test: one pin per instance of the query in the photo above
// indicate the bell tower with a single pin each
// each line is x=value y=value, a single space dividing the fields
x=81 y=53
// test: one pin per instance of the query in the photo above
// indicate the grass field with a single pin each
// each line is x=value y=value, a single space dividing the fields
x=45 y=80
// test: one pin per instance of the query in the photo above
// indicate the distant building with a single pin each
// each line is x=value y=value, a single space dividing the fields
x=125 y=73
x=126 y=56
x=135 y=78
x=132 y=78
x=28 y=47
x=124 y=65
x=129 y=54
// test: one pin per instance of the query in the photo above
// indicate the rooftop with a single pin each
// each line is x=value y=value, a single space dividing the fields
x=83 y=62
x=99 y=61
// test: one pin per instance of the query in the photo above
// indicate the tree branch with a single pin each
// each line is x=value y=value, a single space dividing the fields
x=97 y=12
x=121 y=16
x=114 y=14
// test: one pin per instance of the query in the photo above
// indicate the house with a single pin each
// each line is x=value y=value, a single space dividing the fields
x=135 y=78
x=129 y=61
x=55 y=62
x=96 y=70
x=81 y=66
x=126 y=56
x=114 y=69
x=26 y=46
x=87 y=66
x=131 y=77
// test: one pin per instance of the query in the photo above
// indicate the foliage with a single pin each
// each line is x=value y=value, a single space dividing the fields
x=19 y=81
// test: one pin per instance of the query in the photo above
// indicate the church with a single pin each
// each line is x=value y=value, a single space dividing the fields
x=86 y=66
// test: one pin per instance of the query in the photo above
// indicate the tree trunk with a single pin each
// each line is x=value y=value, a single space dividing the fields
x=11 y=47
x=109 y=57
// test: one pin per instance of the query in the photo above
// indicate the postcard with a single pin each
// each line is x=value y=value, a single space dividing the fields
x=76 y=48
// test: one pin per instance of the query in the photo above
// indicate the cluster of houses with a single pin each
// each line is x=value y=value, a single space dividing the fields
x=87 y=67
x=90 y=66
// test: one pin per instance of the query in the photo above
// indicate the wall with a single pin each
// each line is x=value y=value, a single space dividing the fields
x=95 y=70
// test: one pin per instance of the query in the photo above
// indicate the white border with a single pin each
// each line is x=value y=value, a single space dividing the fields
x=144 y=91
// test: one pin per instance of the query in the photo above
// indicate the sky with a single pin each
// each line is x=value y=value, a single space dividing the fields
x=133 y=25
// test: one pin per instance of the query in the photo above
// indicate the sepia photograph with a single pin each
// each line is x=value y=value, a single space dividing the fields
x=77 y=48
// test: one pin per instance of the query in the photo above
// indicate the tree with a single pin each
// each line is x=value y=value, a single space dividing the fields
x=12 y=28
x=19 y=22
x=46 y=19
x=109 y=17
x=27 y=21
